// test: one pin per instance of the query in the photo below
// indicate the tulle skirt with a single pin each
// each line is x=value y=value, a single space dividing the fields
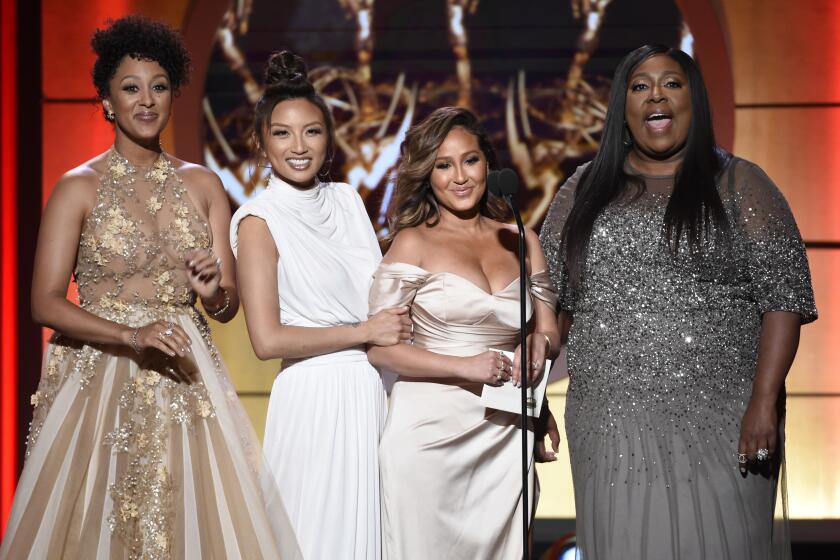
x=124 y=462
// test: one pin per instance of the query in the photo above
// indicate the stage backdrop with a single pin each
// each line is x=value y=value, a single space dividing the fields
x=538 y=74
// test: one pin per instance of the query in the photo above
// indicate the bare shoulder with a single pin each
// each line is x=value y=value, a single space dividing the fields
x=198 y=176
x=77 y=187
x=530 y=235
x=408 y=246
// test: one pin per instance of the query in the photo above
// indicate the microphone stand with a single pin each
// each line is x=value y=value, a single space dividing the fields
x=523 y=374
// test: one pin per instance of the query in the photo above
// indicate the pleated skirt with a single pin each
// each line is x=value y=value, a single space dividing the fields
x=325 y=417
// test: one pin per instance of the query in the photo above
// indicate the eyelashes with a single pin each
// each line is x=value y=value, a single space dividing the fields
x=444 y=165
x=282 y=133
x=159 y=88
x=672 y=84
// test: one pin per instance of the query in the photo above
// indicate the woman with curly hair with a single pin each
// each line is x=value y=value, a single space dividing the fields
x=139 y=447
x=450 y=467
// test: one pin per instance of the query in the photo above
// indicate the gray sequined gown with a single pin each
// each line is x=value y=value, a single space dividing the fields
x=662 y=353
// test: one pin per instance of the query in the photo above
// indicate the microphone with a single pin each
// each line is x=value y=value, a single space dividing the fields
x=504 y=182
x=508 y=182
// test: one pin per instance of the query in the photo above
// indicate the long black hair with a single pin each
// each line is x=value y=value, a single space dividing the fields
x=694 y=206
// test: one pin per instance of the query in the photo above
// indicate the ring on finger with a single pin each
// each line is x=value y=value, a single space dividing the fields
x=762 y=454
x=168 y=332
x=219 y=263
x=742 y=458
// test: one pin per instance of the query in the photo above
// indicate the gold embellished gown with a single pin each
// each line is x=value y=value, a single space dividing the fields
x=122 y=461
x=450 y=468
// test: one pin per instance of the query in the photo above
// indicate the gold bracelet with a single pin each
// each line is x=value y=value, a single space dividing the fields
x=547 y=344
x=224 y=306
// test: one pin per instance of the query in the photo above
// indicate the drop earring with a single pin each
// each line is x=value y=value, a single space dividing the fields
x=626 y=139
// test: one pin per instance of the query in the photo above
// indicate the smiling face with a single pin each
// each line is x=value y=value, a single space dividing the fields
x=459 y=175
x=296 y=141
x=658 y=108
x=140 y=96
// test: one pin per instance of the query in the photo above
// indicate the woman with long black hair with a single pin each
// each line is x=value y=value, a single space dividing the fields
x=684 y=282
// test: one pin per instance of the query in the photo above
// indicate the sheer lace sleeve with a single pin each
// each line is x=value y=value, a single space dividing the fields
x=394 y=285
x=778 y=266
x=551 y=237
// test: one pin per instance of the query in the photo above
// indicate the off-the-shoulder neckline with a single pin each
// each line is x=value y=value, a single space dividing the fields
x=429 y=274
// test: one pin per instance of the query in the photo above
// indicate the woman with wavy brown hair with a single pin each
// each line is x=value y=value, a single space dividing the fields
x=449 y=466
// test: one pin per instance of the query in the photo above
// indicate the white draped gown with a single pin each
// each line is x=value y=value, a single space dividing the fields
x=326 y=413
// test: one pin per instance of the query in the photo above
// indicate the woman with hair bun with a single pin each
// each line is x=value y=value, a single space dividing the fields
x=306 y=252
x=139 y=446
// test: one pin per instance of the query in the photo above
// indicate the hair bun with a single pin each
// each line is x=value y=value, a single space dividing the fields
x=286 y=69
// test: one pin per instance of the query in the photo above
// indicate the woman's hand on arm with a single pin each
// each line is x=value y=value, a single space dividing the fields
x=257 y=273
x=388 y=327
x=406 y=360
x=777 y=347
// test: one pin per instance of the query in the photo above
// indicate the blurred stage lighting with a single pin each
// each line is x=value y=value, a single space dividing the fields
x=564 y=548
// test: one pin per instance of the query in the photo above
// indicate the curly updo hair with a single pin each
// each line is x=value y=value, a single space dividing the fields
x=413 y=203
x=140 y=38
x=286 y=78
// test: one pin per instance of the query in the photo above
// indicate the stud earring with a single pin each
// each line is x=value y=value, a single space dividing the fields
x=110 y=115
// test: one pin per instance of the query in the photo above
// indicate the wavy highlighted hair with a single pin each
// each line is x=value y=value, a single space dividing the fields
x=413 y=203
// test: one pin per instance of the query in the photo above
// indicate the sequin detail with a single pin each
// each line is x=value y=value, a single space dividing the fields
x=131 y=270
x=663 y=348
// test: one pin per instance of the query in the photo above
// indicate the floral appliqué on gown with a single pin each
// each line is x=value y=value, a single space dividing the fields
x=123 y=461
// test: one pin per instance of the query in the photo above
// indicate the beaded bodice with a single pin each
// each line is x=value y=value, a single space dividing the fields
x=135 y=242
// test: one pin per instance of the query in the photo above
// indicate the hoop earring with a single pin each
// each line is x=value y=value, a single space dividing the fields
x=324 y=172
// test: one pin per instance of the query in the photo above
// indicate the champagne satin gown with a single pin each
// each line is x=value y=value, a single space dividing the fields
x=122 y=461
x=451 y=468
